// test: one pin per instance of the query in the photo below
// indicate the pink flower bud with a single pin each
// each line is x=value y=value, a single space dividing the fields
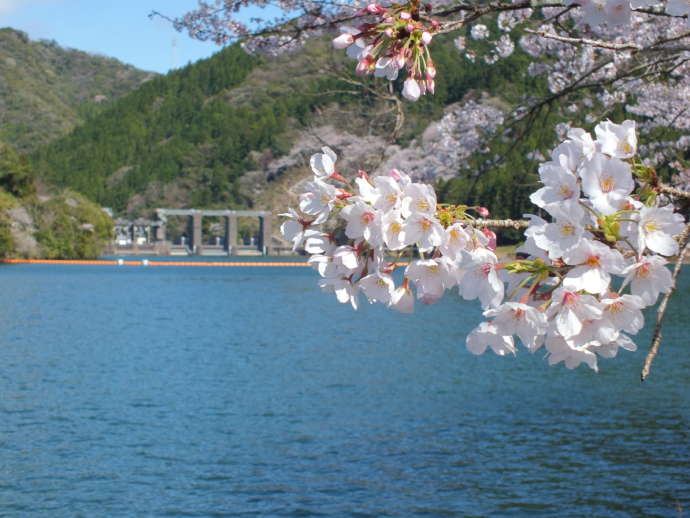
x=483 y=212
x=426 y=37
x=365 y=66
x=405 y=15
x=400 y=61
x=390 y=32
x=338 y=177
x=389 y=19
x=409 y=28
x=375 y=9
x=430 y=70
x=343 y=41
x=430 y=86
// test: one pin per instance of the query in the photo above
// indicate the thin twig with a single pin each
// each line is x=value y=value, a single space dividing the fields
x=656 y=339
x=656 y=46
x=499 y=223
x=678 y=193
x=585 y=41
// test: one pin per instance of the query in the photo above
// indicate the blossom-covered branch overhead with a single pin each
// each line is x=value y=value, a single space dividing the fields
x=578 y=284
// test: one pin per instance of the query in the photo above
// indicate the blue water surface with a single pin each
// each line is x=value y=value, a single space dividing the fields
x=206 y=392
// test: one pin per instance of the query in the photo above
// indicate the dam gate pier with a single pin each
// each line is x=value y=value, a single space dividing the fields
x=151 y=236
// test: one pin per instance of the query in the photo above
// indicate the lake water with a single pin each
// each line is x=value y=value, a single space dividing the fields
x=207 y=392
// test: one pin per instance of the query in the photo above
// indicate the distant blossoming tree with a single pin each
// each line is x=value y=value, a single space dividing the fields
x=584 y=272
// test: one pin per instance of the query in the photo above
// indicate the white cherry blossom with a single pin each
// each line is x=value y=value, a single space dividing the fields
x=402 y=299
x=657 y=228
x=323 y=164
x=486 y=335
x=515 y=318
x=378 y=287
x=386 y=67
x=560 y=351
x=296 y=229
x=318 y=200
x=569 y=309
x=454 y=241
x=624 y=312
x=617 y=140
x=561 y=191
x=345 y=291
x=363 y=221
x=431 y=279
x=389 y=193
x=319 y=243
x=479 y=278
x=348 y=257
x=424 y=230
x=648 y=278
x=607 y=182
x=594 y=263
x=393 y=236
x=418 y=198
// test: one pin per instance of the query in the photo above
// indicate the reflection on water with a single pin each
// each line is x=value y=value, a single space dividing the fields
x=230 y=392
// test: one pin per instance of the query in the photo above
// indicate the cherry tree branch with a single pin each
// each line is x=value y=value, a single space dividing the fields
x=585 y=41
x=661 y=313
x=672 y=191
x=390 y=97
x=476 y=12
x=638 y=72
x=517 y=224
x=614 y=46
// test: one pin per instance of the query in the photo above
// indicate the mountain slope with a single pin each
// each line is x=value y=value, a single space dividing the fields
x=189 y=138
x=46 y=90
x=59 y=225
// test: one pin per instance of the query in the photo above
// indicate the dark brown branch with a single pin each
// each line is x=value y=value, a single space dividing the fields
x=493 y=7
x=661 y=313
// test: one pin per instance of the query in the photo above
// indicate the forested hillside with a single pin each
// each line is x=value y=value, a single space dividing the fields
x=35 y=223
x=187 y=138
x=46 y=90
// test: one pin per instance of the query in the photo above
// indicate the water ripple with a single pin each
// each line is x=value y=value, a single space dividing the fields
x=149 y=393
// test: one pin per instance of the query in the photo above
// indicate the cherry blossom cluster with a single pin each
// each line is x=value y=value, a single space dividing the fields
x=584 y=273
x=396 y=40
x=400 y=40
x=599 y=259
x=356 y=235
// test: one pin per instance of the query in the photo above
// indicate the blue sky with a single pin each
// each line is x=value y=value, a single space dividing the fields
x=116 y=28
